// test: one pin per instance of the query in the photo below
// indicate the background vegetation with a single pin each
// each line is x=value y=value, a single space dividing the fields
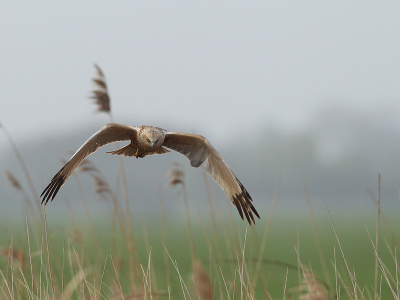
x=187 y=249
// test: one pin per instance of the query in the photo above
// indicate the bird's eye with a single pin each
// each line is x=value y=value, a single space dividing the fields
x=157 y=142
x=148 y=140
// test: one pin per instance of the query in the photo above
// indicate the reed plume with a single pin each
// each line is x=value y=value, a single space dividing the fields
x=13 y=181
x=175 y=175
x=100 y=93
x=203 y=285
x=16 y=255
x=312 y=287
x=102 y=188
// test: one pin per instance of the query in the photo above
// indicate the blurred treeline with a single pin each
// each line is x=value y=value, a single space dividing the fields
x=337 y=155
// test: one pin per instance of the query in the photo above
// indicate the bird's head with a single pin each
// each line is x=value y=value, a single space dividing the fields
x=154 y=138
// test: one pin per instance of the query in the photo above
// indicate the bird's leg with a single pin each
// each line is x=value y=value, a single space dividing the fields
x=137 y=153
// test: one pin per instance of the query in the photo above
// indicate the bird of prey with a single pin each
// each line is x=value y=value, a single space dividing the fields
x=149 y=140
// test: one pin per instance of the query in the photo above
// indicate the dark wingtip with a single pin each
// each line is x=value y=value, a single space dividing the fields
x=244 y=206
x=243 y=203
x=238 y=206
x=50 y=192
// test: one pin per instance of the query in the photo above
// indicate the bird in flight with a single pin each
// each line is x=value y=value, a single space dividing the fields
x=149 y=140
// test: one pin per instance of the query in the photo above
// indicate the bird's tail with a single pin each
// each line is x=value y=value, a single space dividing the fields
x=128 y=150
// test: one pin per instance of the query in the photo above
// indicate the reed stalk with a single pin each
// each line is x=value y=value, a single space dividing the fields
x=378 y=213
x=102 y=100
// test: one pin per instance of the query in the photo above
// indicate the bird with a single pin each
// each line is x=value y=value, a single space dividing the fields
x=149 y=140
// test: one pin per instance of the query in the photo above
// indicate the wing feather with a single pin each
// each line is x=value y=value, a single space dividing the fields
x=130 y=150
x=198 y=149
x=106 y=135
x=195 y=147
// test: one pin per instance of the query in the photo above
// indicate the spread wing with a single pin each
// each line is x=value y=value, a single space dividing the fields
x=107 y=134
x=198 y=149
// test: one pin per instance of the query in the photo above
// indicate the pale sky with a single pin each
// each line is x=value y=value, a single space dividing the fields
x=210 y=67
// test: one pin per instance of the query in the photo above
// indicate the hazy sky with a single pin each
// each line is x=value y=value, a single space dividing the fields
x=195 y=64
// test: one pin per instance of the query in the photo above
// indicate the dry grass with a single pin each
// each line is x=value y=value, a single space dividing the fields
x=227 y=262
x=236 y=268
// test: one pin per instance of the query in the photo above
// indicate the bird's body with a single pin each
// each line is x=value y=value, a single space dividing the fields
x=148 y=140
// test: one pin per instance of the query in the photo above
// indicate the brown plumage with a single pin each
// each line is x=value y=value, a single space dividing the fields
x=148 y=140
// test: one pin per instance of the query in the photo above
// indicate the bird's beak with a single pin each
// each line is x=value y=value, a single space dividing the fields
x=152 y=145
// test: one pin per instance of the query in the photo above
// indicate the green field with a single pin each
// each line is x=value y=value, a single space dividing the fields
x=282 y=257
